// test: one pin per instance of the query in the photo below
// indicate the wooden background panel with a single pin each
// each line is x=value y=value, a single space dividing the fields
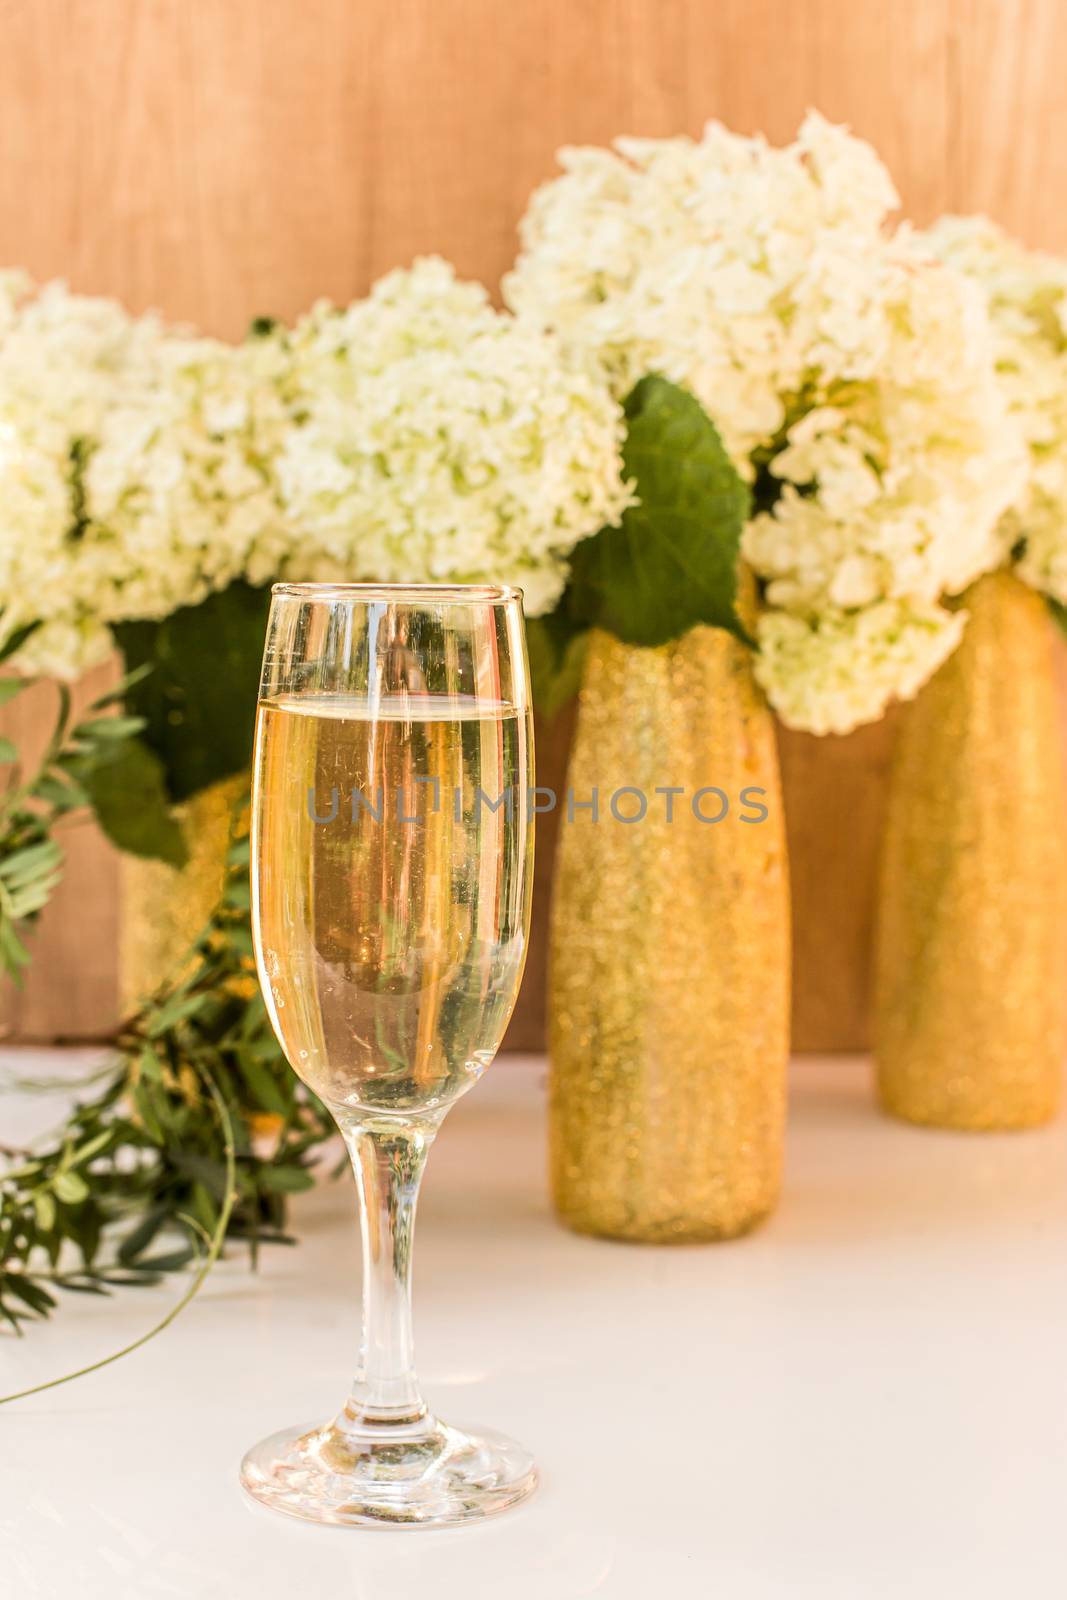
x=222 y=160
x=1008 y=115
x=70 y=990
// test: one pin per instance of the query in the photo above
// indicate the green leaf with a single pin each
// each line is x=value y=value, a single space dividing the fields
x=60 y=793
x=286 y=1180
x=556 y=648
x=13 y=953
x=262 y=1085
x=10 y=687
x=210 y=1174
x=132 y=1278
x=125 y=785
x=240 y=852
x=30 y=864
x=241 y=942
x=108 y=728
x=70 y=1188
x=199 y=702
x=204 y=1209
x=38 y=1299
x=85 y=1230
x=139 y=1238
x=239 y=896
x=92 y=1147
x=118 y=695
x=8 y=750
x=15 y=641
x=146 y=1110
x=169 y=1261
x=149 y=1065
x=1058 y=612
x=672 y=561
x=175 y=1010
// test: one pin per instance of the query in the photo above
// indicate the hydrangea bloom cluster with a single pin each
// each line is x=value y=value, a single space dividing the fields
x=432 y=438
x=418 y=435
x=129 y=472
x=1026 y=294
x=850 y=375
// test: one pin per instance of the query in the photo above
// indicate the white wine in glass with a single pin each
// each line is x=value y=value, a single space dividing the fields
x=392 y=854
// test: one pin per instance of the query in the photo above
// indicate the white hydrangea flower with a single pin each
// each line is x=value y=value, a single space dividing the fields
x=1026 y=293
x=129 y=473
x=832 y=672
x=431 y=438
x=416 y=435
x=850 y=375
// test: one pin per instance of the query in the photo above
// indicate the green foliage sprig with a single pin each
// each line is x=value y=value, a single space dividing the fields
x=199 y=1128
x=98 y=766
x=194 y=679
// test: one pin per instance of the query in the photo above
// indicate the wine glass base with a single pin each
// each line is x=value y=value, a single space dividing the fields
x=435 y=1477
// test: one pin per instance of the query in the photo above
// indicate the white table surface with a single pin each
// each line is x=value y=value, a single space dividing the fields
x=865 y=1399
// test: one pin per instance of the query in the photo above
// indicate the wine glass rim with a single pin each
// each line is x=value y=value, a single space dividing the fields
x=493 y=594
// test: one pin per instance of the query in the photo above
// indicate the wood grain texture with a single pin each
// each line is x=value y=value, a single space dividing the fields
x=71 y=988
x=224 y=159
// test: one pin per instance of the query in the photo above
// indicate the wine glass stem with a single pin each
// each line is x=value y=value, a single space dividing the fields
x=388 y=1159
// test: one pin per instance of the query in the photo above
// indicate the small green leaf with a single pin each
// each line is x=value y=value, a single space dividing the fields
x=10 y=687
x=132 y=1278
x=117 y=695
x=176 y=1010
x=557 y=655
x=241 y=942
x=1058 y=612
x=38 y=1299
x=124 y=783
x=146 y=1110
x=63 y=794
x=19 y=1174
x=8 y=750
x=15 y=641
x=149 y=1065
x=30 y=864
x=169 y=1261
x=139 y=1238
x=239 y=895
x=109 y=728
x=672 y=561
x=286 y=1180
x=9 y=1314
x=13 y=952
x=262 y=1085
x=85 y=1231
x=199 y=701
x=240 y=853
x=92 y=1148
x=204 y=1209
x=70 y=1188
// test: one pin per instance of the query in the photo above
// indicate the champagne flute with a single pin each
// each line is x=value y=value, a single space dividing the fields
x=392 y=854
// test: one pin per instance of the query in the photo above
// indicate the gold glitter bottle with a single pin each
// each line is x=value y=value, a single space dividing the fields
x=669 y=982
x=971 y=975
x=162 y=908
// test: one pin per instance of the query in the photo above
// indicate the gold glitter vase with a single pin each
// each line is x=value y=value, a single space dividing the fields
x=669 y=980
x=162 y=908
x=971 y=968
